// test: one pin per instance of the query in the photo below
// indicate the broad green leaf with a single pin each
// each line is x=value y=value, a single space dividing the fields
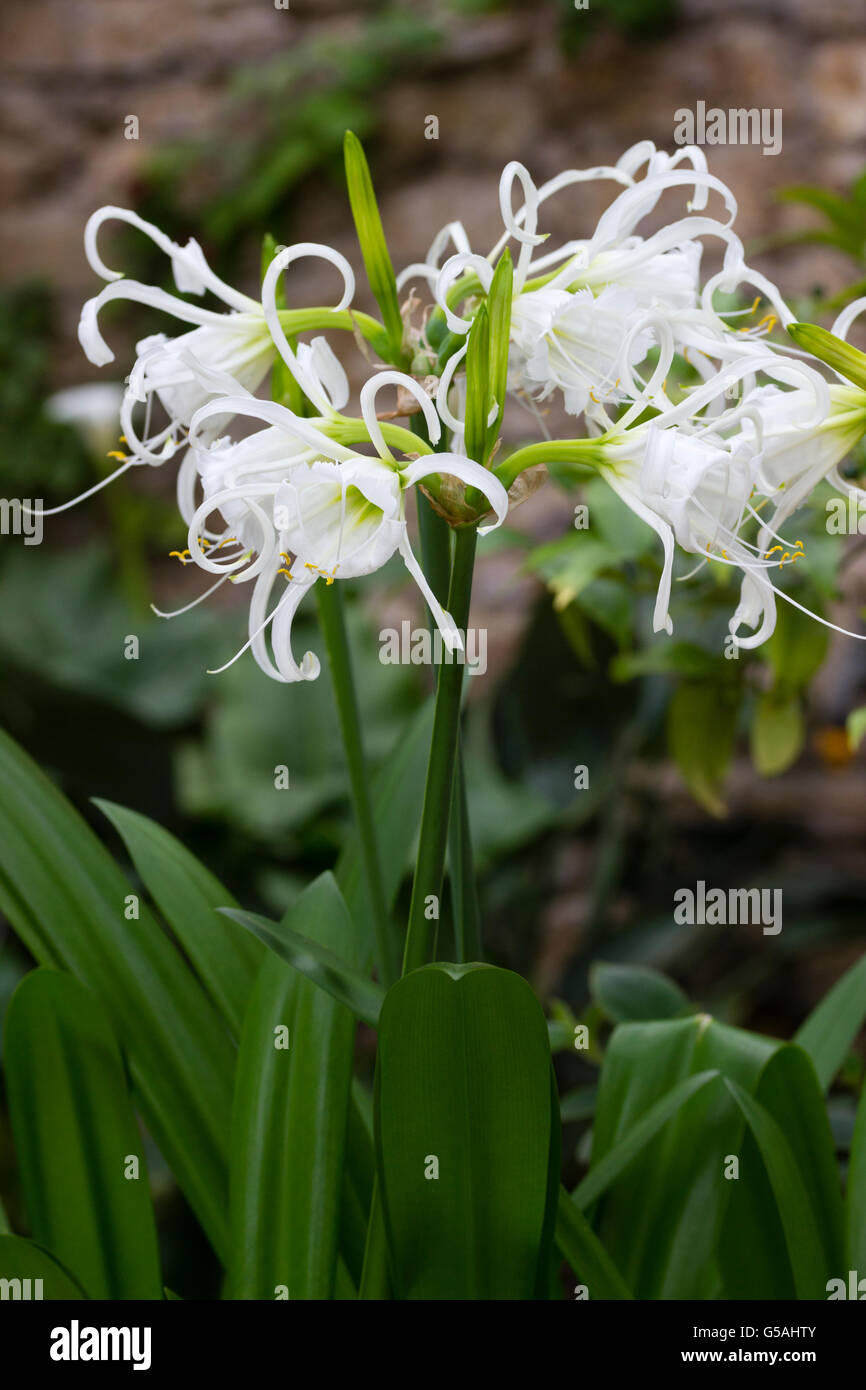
x=635 y=993
x=327 y=970
x=66 y=898
x=831 y=1028
x=660 y=1219
x=585 y=1253
x=759 y=1267
x=188 y=896
x=792 y=1201
x=777 y=733
x=465 y=1134
x=21 y=1260
x=841 y=356
x=83 y=1175
x=398 y=794
x=855 y=1194
x=702 y=725
x=371 y=239
x=289 y=1119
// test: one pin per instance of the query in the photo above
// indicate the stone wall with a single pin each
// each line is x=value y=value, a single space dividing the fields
x=501 y=88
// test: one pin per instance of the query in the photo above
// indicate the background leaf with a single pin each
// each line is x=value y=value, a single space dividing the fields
x=75 y=1135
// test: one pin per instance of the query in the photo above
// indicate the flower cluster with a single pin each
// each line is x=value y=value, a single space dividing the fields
x=715 y=464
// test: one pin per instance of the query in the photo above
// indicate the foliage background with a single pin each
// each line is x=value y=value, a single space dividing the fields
x=241 y=110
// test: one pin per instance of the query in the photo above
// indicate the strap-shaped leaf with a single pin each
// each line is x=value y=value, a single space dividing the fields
x=66 y=899
x=371 y=239
x=585 y=1253
x=289 y=1119
x=30 y=1272
x=833 y=1025
x=83 y=1174
x=188 y=895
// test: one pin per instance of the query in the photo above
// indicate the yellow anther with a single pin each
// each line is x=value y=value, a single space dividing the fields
x=287 y=573
x=116 y=454
x=773 y=550
x=594 y=397
x=725 y=554
x=755 y=304
x=123 y=439
x=178 y=554
x=309 y=566
x=786 y=556
x=769 y=320
x=796 y=557
x=227 y=540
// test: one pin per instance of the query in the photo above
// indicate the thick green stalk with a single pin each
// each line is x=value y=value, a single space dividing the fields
x=438 y=790
x=334 y=631
x=436 y=554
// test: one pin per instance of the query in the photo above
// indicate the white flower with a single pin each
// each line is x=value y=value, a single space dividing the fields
x=228 y=352
x=585 y=315
x=300 y=507
x=701 y=482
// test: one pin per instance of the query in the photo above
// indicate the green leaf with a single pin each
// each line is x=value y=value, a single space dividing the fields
x=463 y=1081
x=188 y=896
x=22 y=1259
x=371 y=238
x=65 y=898
x=759 y=1267
x=608 y=1169
x=289 y=1118
x=324 y=967
x=635 y=993
x=831 y=1028
x=702 y=726
x=796 y=1215
x=478 y=385
x=855 y=726
x=777 y=733
x=841 y=356
x=499 y=310
x=75 y=1136
x=660 y=1219
x=796 y=650
x=855 y=1194
x=666 y=658
x=586 y=1254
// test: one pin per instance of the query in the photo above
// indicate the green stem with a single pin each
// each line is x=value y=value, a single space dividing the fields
x=334 y=630
x=436 y=554
x=438 y=790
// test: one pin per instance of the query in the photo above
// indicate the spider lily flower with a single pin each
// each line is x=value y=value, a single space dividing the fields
x=298 y=506
x=227 y=352
x=572 y=306
x=700 y=483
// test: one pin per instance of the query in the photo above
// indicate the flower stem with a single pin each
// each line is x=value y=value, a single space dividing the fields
x=438 y=790
x=436 y=551
x=334 y=630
